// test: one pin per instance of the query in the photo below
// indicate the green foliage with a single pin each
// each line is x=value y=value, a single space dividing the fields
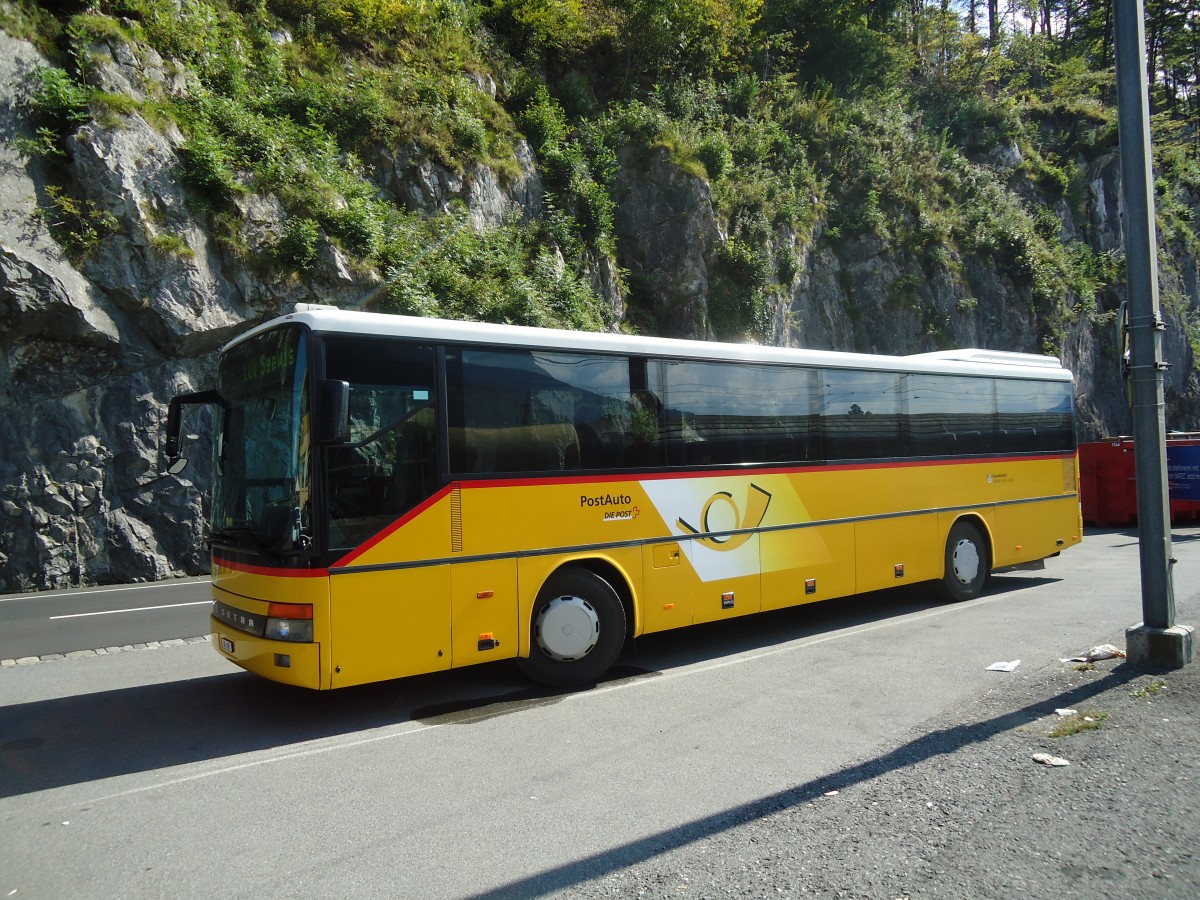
x=43 y=144
x=1089 y=720
x=714 y=152
x=77 y=225
x=298 y=244
x=839 y=44
x=204 y=166
x=58 y=101
x=441 y=267
x=740 y=277
x=169 y=244
x=668 y=40
x=543 y=121
x=540 y=27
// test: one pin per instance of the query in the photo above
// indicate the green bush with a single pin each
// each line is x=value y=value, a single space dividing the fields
x=297 y=245
x=58 y=101
x=204 y=166
x=594 y=210
x=543 y=121
x=77 y=225
x=716 y=155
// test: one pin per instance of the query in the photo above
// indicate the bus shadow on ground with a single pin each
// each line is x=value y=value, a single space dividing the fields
x=86 y=737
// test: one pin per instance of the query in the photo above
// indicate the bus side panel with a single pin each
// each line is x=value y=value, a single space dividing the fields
x=666 y=588
x=726 y=597
x=908 y=542
x=790 y=559
x=389 y=624
x=483 y=599
x=1029 y=531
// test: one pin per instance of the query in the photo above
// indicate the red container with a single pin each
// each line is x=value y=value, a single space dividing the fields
x=1108 y=490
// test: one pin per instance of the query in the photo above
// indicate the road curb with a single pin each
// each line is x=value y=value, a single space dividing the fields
x=103 y=651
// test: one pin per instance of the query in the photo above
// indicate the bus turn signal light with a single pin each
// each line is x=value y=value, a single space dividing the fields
x=290 y=610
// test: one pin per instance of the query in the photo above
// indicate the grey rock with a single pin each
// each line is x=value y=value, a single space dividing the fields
x=666 y=230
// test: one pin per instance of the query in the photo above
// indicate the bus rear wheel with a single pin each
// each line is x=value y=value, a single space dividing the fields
x=577 y=631
x=967 y=563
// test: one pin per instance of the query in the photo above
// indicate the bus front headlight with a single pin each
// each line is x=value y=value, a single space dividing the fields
x=289 y=622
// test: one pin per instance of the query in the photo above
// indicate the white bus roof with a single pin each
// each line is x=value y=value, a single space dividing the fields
x=330 y=320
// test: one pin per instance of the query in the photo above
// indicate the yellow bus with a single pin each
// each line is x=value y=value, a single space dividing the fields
x=396 y=495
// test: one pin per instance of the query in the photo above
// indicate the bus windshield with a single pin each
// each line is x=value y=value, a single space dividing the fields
x=261 y=483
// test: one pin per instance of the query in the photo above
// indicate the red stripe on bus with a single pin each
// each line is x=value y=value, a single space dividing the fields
x=268 y=570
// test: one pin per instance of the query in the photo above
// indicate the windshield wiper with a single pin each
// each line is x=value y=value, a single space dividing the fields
x=242 y=538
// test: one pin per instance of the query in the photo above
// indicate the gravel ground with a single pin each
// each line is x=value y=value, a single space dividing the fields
x=961 y=809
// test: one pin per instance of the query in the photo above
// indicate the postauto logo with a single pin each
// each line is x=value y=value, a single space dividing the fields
x=616 y=507
x=757 y=501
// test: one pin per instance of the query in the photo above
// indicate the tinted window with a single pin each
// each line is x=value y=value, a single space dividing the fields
x=544 y=411
x=1034 y=415
x=862 y=414
x=723 y=413
x=949 y=415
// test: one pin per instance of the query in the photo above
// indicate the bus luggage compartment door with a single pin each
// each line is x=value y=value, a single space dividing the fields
x=667 y=587
x=389 y=624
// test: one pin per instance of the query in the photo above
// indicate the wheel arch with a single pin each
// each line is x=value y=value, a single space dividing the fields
x=617 y=579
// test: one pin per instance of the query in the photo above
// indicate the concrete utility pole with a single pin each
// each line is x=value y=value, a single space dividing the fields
x=1157 y=642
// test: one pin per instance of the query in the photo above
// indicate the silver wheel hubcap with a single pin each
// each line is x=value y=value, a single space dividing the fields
x=568 y=628
x=966 y=561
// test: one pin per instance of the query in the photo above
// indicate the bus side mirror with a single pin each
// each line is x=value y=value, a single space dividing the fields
x=172 y=446
x=333 y=399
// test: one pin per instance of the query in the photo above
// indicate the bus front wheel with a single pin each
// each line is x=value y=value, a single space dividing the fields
x=577 y=631
x=967 y=563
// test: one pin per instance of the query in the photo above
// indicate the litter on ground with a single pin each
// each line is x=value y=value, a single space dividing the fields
x=1046 y=759
x=1104 y=651
x=1004 y=666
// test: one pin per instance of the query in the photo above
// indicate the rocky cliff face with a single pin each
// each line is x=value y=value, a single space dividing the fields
x=93 y=350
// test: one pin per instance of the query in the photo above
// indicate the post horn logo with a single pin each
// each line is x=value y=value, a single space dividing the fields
x=757 y=501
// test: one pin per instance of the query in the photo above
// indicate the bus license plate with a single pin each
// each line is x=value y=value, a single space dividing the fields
x=226 y=645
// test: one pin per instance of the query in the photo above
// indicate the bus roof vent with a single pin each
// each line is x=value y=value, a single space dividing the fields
x=311 y=307
x=992 y=357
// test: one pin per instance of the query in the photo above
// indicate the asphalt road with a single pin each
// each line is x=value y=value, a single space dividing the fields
x=50 y=622
x=170 y=772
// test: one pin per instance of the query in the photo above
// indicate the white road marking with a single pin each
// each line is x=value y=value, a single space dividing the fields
x=109 y=612
x=108 y=590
